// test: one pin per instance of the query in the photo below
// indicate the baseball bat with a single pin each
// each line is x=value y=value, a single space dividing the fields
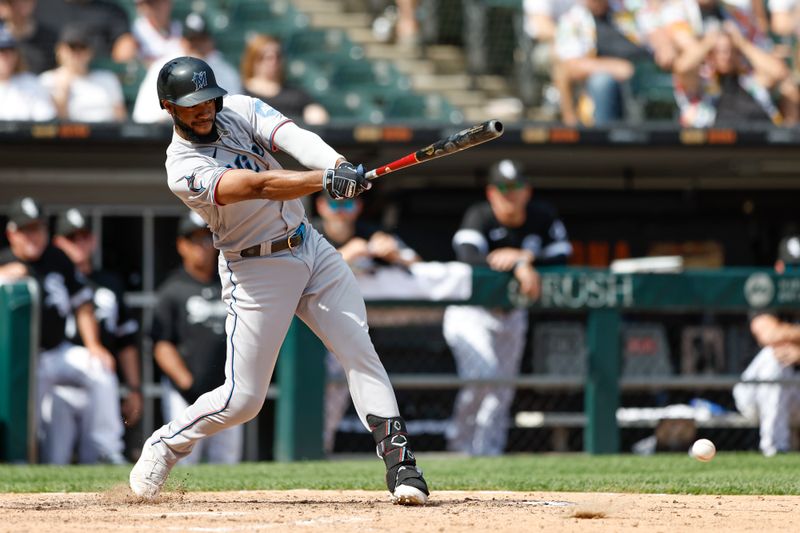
x=478 y=134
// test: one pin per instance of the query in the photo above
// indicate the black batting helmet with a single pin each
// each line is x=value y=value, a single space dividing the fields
x=188 y=81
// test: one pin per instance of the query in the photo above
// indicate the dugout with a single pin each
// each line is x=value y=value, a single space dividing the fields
x=721 y=195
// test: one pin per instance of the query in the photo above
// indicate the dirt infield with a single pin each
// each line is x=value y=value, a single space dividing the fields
x=359 y=511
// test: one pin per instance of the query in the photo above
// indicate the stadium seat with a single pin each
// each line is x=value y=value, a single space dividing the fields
x=645 y=350
x=559 y=348
x=211 y=10
x=313 y=40
x=653 y=91
x=278 y=17
x=350 y=105
x=130 y=75
x=432 y=107
x=309 y=75
x=379 y=81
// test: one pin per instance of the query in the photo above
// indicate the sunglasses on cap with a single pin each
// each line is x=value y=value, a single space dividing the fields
x=201 y=237
x=342 y=206
x=79 y=235
x=510 y=186
x=77 y=46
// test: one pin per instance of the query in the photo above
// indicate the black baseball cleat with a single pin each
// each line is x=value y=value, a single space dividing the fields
x=403 y=479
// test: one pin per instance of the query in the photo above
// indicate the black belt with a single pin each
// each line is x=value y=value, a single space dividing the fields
x=292 y=241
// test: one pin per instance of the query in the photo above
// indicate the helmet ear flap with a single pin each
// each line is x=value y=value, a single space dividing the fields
x=218 y=103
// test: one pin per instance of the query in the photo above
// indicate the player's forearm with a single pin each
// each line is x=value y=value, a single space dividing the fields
x=787 y=333
x=768 y=67
x=87 y=326
x=129 y=363
x=171 y=363
x=238 y=185
x=13 y=271
x=579 y=69
x=693 y=55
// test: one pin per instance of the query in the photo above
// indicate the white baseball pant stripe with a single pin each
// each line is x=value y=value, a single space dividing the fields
x=263 y=294
x=485 y=344
x=224 y=447
x=72 y=365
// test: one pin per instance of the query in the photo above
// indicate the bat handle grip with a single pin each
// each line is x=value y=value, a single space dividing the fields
x=372 y=174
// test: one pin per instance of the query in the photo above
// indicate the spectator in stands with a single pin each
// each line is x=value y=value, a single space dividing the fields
x=398 y=21
x=690 y=22
x=776 y=18
x=36 y=41
x=364 y=247
x=263 y=78
x=81 y=94
x=774 y=406
x=62 y=292
x=598 y=44
x=107 y=24
x=509 y=233
x=541 y=17
x=189 y=339
x=118 y=328
x=195 y=42
x=156 y=33
x=21 y=94
x=407 y=29
x=715 y=83
x=540 y=23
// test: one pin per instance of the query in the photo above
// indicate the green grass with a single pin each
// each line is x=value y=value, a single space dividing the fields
x=728 y=473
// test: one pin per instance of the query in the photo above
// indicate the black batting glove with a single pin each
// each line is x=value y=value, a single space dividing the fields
x=345 y=181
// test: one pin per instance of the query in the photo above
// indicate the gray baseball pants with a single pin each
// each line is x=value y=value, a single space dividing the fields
x=263 y=294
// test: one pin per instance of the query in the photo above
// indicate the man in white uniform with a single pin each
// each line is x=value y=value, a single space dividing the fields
x=273 y=264
x=776 y=406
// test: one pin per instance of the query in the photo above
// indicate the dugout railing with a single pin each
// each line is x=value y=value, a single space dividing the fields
x=603 y=296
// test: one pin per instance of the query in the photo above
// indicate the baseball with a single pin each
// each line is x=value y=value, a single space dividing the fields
x=703 y=450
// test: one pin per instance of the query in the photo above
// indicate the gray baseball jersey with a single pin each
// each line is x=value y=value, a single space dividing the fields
x=249 y=131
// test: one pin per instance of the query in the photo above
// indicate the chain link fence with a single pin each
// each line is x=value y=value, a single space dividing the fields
x=678 y=371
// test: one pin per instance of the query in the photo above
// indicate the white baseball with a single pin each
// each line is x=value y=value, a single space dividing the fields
x=703 y=450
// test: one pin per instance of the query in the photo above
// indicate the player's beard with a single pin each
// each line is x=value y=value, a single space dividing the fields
x=189 y=134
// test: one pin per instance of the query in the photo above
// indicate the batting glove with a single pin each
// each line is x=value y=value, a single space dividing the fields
x=345 y=181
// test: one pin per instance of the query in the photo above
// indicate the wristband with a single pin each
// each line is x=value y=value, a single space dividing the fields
x=522 y=262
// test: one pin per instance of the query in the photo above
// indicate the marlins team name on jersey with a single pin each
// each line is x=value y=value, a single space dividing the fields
x=247 y=129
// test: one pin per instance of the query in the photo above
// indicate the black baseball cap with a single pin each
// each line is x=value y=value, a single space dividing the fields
x=195 y=25
x=71 y=221
x=189 y=223
x=507 y=172
x=75 y=34
x=24 y=211
x=789 y=250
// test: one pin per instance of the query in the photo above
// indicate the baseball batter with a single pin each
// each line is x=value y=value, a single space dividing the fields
x=273 y=265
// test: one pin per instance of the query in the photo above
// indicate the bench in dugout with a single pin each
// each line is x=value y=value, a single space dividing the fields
x=560 y=350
